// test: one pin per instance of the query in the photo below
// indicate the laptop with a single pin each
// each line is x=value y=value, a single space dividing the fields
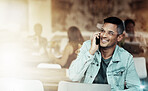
x=72 y=86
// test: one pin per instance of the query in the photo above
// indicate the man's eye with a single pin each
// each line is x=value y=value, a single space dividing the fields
x=111 y=33
x=102 y=31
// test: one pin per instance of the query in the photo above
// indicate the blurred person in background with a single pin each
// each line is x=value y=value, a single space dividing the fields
x=130 y=42
x=39 y=43
x=129 y=34
x=129 y=28
x=72 y=48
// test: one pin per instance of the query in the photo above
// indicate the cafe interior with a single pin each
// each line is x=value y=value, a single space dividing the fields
x=25 y=64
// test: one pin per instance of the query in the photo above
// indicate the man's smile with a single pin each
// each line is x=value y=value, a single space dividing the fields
x=103 y=40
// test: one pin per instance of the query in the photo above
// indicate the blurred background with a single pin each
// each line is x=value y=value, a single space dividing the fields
x=21 y=52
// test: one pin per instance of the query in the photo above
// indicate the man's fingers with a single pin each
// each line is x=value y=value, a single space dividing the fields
x=96 y=34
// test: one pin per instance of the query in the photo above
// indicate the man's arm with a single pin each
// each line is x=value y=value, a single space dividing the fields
x=85 y=57
x=82 y=62
x=132 y=79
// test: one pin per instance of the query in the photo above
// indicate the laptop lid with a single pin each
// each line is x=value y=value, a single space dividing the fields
x=71 y=86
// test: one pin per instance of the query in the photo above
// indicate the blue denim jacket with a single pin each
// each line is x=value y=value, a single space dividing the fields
x=121 y=68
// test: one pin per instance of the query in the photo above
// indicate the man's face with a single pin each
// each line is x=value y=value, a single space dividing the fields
x=38 y=30
x=130 y=28
x=108 y=35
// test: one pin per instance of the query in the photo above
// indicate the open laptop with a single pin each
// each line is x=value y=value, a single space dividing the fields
x=71 y=86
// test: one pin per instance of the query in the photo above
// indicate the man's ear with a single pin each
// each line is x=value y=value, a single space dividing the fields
x=121 y=36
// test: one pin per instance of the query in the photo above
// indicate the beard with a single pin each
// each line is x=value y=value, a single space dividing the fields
x=109 y=46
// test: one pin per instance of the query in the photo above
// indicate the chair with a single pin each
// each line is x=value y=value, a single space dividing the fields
x=72 y=86
x=49 y=66
x=140 y=65
x=12 y=84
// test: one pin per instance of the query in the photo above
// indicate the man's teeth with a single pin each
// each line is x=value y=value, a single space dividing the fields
x=104 y=41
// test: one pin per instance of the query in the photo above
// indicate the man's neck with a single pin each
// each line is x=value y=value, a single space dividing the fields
x=107 y=52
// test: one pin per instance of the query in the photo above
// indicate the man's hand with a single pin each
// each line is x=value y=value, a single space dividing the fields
x=94 y=47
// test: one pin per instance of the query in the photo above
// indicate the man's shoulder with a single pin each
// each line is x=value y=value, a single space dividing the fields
x=123 y=52
x=87 y=43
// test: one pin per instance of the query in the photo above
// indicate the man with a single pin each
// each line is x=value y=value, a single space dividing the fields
x=130 y=43
x=39 y=43
x=129 y=28
x=106 y=63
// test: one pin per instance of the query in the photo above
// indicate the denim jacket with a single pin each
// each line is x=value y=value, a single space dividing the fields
x=121 y=68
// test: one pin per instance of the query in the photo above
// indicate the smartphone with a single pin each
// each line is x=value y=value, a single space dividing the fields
x=98 y=41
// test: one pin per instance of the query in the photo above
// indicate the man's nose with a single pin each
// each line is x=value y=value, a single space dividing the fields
x=105 y=34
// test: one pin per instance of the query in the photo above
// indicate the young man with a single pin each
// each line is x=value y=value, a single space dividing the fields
x=106 y=63
x=129 y=28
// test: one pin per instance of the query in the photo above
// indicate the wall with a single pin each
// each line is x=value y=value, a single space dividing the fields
x=87 y=13
x=13 y=15
x=39 y=11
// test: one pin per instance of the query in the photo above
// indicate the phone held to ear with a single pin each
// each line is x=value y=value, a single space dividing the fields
x=98 y=41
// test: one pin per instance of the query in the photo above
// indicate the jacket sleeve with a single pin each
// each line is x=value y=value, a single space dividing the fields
x=81 y=63
x=132 y=79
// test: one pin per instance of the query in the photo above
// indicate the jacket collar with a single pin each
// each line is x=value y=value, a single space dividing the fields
x=115 y=57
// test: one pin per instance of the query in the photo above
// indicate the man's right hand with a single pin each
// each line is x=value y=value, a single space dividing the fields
x=94 y=47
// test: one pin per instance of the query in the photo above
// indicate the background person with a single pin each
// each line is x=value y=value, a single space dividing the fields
x=71 y=49
x=130 y=42
x=129 y=28
x=39 y=42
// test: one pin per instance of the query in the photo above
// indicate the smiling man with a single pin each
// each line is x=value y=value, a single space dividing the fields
x=105 y=62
